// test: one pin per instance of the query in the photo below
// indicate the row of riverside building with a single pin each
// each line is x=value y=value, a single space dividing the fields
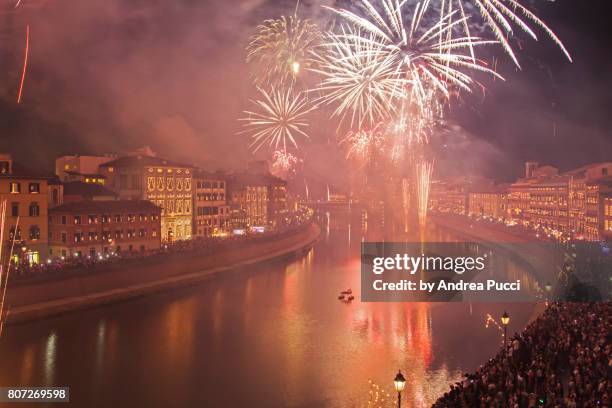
x=95 y=206
x=574 y=204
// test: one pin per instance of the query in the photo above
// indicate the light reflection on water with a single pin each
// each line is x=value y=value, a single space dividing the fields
x=273 y=336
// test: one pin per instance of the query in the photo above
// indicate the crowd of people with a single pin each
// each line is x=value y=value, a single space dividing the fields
x=562 y=359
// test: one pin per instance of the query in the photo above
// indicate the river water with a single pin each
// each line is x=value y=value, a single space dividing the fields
x=271 y=336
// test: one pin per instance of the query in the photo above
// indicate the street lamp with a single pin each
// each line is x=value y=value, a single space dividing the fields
x=505 y=319
x=400 y=383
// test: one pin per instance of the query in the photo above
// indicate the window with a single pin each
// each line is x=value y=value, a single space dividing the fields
x=34 y=209
x=131 y=217
x=142 y=233
x=105 y=219
x=222 y=184
x=92 y=219
x=77 y=219
x=15 y=188
x=34 y=232
x=55 y=196
x=12 y=234
x=63 y=220
x=118 y=218
x=154 y=233
x=64 y=238
x=15 y=209
x=34 y=188
x=93 y=236
x=78 y=237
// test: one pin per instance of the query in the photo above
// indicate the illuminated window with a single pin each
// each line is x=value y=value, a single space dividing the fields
x=15 y=188
x=34 y=188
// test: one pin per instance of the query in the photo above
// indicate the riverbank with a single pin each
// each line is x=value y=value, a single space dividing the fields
x=149 y=275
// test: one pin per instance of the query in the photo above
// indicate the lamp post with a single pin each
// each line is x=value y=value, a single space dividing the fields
x=505 y=319
x=400 y=383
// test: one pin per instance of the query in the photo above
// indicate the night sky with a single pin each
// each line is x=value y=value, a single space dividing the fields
x=110 y=76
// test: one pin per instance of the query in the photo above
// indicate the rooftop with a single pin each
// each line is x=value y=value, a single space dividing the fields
x=139 y=161
x=87 y=189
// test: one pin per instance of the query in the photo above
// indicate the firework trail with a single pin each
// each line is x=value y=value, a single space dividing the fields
x=363 y=144
x=499 y=16
x=406 y=201
x=18 y=3
x=358 y=76
x=426 y=56
x=25 y=63
x=279 y=121
x=423 y=178
x=281 y=47
x=4 y=286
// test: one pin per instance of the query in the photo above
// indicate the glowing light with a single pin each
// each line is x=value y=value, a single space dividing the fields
x=280 y=119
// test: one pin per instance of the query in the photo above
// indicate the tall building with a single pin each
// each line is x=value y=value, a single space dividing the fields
x=81 y=168
x=210 y=210
x=101 y=228
x=26 y=219
x=165 y=183
x=491 y=202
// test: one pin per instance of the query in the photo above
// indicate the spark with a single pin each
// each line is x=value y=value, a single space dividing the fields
x=425 y=56
x=424 y=170
x=283 y=163
x=359 y=76
x=500 y=16
x=280 y=119
x=280 y=48
x=364 y=143
x=25 y=63
x=414 y=124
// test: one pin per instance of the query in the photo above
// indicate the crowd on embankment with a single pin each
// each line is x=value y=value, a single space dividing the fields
x=562 y=359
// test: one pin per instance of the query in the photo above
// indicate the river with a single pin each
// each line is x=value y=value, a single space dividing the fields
x=271 y=336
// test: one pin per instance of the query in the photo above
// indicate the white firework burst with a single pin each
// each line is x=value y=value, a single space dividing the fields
x=280 y=120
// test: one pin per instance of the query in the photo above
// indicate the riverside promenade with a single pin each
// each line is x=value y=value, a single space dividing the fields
x=139 y=277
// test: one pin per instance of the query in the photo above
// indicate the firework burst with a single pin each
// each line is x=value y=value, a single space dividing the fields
x=364 y=144
x=358 y=76
x=425 y=56
x=280 y=48
x=283 y=163
x=279 y=121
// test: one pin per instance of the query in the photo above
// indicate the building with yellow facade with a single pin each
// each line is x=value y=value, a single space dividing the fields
x=165 y=183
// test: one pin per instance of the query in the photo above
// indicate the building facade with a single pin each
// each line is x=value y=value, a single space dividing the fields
x=211 y=213
x=493 y=203
x=165 y=183
x=569 y=203
x=102 y=228
x=27 y=201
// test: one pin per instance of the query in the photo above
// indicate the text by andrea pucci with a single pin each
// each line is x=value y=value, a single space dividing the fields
x=439 y=272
